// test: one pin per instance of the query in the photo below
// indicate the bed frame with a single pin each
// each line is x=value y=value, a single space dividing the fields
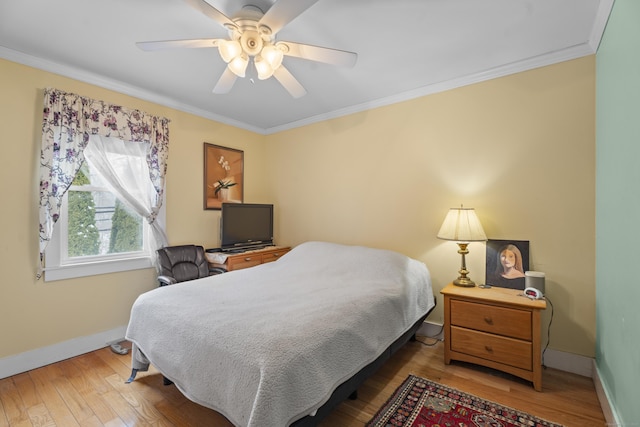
x=349 y=388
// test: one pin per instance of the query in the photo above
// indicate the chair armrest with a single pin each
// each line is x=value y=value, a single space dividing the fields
x=216 y=270
x=166 y=280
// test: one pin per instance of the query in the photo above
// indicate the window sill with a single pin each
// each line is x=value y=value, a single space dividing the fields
x=94 y=268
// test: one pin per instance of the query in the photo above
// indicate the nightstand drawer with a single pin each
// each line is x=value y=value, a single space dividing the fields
x=509 y=322
x=503 y=350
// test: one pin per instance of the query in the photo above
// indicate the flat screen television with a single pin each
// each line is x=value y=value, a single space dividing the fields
x=245 y=226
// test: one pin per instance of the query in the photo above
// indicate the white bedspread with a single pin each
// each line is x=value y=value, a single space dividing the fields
x=266 y=346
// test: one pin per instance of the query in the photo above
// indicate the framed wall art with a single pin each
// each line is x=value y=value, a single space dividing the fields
x=223 y=176
x=507 y=260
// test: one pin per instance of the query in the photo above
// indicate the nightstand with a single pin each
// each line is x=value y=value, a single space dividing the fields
x=494 y=327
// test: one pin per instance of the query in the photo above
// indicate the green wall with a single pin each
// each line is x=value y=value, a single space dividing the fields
x=618 y=210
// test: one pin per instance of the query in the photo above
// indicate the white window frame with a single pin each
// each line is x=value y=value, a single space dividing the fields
x=59 y=267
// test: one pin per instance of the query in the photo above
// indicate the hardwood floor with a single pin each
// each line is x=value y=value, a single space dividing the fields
x=89 y=390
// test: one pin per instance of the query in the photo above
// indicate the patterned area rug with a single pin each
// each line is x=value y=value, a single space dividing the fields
x=422 y=403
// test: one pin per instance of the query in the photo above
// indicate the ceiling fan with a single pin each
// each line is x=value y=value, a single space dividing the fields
x=252 y=40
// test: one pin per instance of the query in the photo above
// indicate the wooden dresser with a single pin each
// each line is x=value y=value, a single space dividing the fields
x=494 y=327
x=250 y=258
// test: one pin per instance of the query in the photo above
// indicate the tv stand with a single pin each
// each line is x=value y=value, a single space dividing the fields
x=248 y=258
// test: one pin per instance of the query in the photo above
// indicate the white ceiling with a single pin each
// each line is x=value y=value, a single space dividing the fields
x=406 y=49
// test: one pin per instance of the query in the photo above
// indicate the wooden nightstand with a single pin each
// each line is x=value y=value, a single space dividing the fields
x=494 y=327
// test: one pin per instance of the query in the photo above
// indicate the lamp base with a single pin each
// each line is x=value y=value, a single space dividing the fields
x=465 y=282
x=462 y=279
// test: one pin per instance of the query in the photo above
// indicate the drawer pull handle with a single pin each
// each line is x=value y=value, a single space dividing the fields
x=489 y=320
x=488 y=348
x=247 y=259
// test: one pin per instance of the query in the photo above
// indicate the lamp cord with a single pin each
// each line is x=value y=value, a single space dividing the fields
x=435 y=337
x=548 y=332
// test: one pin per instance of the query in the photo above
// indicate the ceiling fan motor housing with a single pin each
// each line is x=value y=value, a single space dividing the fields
x=251 y=42
x=249 y=32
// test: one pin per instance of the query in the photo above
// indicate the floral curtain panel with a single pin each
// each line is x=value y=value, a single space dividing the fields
x=68 y=121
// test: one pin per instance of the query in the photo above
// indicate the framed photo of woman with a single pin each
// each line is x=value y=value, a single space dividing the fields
x=507 y=260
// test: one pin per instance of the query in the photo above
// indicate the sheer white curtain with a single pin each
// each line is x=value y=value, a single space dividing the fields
x=123 y=165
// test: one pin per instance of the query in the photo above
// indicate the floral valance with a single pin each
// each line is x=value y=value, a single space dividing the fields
x=68 y=121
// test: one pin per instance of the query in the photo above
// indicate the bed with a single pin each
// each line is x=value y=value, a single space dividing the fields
x=282 y=343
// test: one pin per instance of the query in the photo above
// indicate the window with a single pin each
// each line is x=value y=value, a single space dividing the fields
x=97 y=232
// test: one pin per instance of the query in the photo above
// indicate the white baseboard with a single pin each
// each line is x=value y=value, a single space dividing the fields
x=569 y=362
x=37 y=358
x=608 y=410
x=431 y=330
x=23 y=362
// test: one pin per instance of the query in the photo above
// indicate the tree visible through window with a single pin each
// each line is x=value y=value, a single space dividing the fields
x=126 y=230
x=84 y=237
x=98 y=223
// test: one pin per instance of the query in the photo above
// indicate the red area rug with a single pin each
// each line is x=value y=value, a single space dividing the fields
x=422 y=403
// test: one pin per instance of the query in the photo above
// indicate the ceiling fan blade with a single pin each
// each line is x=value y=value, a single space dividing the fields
x=210 y=11
x=290 y=83
x=226 y=81
x=284 y=11
x=175 y=44
x=321 y=54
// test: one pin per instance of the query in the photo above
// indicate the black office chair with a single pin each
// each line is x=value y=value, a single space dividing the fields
x=182 y=263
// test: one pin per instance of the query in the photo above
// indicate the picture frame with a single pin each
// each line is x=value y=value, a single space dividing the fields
x=507 y=272
x=223 y=176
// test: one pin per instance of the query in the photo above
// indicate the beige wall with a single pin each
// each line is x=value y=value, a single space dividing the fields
x=519 y=149
x=35 y=314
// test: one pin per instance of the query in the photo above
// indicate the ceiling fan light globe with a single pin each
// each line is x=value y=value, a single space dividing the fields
x=264 y=69
x=229 y=49
x=273 y=56
x=238 y=65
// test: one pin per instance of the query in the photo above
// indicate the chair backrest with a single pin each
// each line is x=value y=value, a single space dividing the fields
x=186 y=262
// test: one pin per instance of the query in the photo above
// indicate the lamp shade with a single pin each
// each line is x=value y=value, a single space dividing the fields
x=462 y=225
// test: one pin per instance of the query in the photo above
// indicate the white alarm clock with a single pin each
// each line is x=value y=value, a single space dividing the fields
x=533 y=293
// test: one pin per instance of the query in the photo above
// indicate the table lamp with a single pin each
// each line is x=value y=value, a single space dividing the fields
x=462 y=226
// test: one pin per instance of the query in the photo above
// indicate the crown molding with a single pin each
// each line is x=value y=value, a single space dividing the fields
x=117 y=86
x=567 y=54
x=600 y=23
x=573 y=52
